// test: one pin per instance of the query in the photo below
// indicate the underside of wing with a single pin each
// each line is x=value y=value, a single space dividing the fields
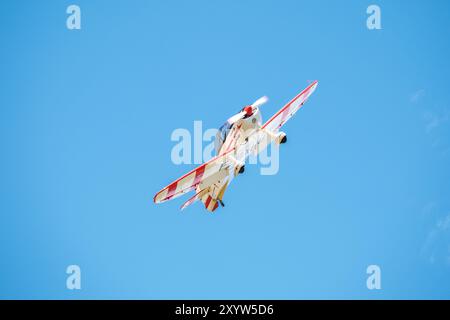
x=285 y=113
x=199 y=177
x=210 y=189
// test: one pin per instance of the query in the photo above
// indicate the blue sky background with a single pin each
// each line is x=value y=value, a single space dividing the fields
x=85 y=124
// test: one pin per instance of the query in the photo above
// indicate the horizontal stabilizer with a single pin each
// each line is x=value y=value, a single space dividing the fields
x=193 y=199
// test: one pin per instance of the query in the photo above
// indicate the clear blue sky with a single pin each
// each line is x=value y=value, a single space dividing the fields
x=85 y=124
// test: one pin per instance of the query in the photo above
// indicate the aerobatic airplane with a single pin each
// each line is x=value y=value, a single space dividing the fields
x=242 y=135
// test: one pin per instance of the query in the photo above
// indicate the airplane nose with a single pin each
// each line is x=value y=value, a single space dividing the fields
x=248 y=110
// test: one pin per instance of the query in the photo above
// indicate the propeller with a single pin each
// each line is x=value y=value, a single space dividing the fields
x=260 y=102
x=248 y=110
x=237 y=117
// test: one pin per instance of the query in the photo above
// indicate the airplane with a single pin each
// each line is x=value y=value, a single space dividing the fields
x=242 y=135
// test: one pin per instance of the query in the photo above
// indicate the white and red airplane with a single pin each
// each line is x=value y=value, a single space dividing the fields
x=243 y=134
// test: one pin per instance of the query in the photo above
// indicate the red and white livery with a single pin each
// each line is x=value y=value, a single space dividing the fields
x=243 y=134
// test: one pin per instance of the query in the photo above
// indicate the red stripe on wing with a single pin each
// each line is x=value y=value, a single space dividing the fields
x=198 y=175
x=171 y=190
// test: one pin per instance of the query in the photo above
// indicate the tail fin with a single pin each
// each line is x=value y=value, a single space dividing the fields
x=211 y=199
x=211 y=204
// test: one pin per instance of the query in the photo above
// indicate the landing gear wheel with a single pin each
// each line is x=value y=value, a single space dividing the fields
x=241 y=169
x=283 y=140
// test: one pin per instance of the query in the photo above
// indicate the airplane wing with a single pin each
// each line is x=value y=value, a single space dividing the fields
x=200 y=176
x=285 y=113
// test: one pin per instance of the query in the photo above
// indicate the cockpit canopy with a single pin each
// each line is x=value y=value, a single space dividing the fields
x=222 y=135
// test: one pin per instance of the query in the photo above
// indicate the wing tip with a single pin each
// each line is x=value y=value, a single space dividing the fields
x=155 y=200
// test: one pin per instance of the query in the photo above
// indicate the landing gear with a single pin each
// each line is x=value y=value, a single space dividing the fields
x=241 y=169
x=280 y=137
x=221 y=203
